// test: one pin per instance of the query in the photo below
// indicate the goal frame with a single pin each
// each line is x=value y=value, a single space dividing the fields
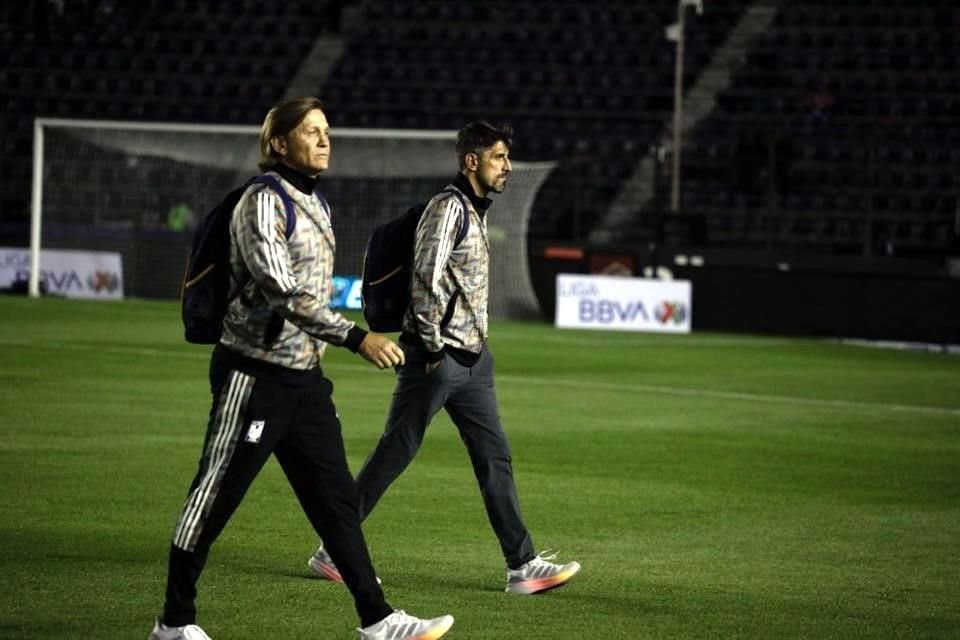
x=512 y=294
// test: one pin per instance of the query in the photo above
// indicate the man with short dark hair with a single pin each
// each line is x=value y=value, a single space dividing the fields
x=270 y=395
x=448 y=362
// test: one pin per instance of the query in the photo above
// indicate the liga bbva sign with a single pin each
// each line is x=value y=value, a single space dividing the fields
x=75 y=274
x=628 y=304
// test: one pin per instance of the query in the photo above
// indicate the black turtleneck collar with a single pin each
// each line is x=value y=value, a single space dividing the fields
x=303 y=183
x=480 y=204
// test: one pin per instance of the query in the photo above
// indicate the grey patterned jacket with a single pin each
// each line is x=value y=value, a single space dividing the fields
x=282 y=313
x=441 y=272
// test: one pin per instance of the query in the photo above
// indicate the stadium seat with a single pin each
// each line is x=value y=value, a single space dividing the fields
x=891 y=66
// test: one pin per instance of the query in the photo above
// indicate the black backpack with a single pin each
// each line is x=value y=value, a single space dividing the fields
x=205 y=293
x=387 y=264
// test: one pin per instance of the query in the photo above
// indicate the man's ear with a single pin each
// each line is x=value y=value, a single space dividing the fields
x=471 y=161
x=279 y=145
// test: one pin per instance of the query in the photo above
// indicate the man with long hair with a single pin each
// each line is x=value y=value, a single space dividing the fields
x=270 y=395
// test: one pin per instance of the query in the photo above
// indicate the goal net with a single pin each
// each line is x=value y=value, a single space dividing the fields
x=138 y=188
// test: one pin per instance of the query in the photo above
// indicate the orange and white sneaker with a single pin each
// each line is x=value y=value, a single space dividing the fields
x=540 y=575
x=321 y=564
x=400 y=626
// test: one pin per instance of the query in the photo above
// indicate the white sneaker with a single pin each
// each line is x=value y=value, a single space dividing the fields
x=321 y=564
x=399 y=626
x=189 y=632
x=540 y=575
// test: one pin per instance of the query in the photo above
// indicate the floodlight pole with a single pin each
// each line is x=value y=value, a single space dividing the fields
x=677 y=110
x=676 y=32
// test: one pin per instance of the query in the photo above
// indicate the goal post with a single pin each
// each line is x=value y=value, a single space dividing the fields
x=136 y=188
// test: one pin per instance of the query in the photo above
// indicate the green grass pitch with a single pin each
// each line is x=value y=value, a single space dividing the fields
x=712 y=486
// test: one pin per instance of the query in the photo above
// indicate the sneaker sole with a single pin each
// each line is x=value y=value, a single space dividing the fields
x=542 y=585
x=434 y=633
x=324 y=570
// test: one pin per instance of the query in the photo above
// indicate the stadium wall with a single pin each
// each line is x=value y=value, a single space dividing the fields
x=874 y=299
x=153 y=259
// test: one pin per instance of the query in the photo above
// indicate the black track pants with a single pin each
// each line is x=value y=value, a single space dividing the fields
x=251 y=419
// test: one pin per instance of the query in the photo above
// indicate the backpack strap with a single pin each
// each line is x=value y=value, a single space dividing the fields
x=323 y=201
x=464 y=228
x=288 y=205
x=275 y=325
x=465 y=223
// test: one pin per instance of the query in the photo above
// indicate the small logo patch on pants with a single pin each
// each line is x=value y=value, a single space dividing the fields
x=255 y=431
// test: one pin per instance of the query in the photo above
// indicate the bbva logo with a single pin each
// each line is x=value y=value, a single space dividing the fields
x=668 y=312
x=100 y=281
x=609 y=311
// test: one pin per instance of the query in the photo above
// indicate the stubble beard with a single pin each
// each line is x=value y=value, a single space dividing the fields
x=499 y=185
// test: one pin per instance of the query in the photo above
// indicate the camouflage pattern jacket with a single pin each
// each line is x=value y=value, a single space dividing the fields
x=282 y=313
x=448 y=295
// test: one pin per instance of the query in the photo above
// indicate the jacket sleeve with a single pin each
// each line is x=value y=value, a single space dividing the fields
x=259 y=229
x=435 y=238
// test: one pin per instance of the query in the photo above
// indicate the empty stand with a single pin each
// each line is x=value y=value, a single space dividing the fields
x=206 y=62
x=839 y=132
x=852 y=110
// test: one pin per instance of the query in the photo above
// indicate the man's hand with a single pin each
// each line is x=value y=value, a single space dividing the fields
x=381 y=351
